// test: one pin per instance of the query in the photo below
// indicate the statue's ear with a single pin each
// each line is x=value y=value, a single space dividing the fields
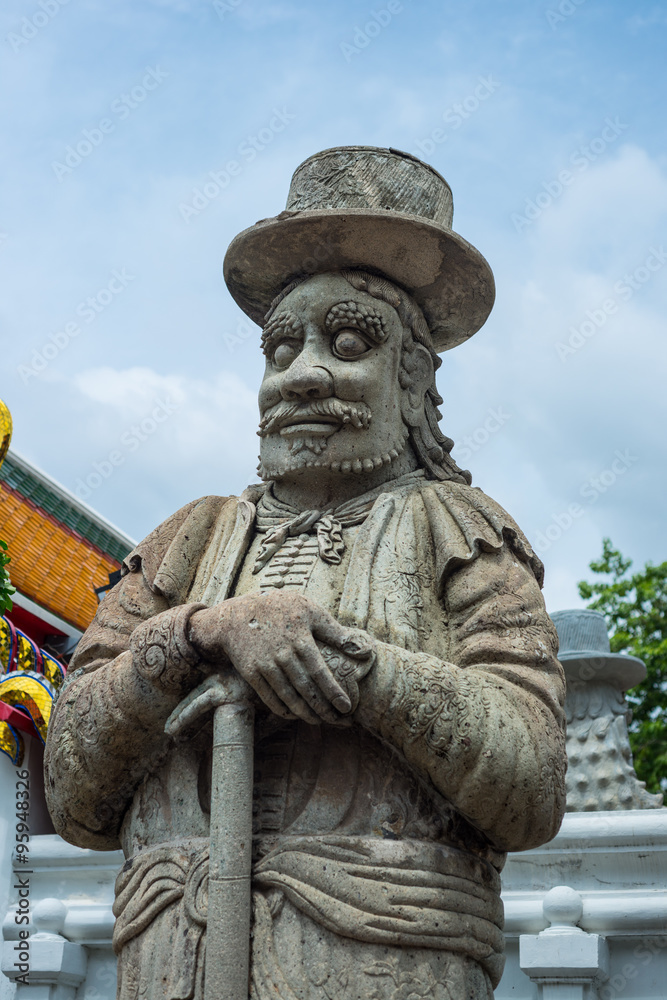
x=416 y=377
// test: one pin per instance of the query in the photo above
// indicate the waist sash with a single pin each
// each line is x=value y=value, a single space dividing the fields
x=403 y=893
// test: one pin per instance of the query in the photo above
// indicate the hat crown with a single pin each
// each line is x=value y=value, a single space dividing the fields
x=369 y=177
x=374 y=208
x=581 y=631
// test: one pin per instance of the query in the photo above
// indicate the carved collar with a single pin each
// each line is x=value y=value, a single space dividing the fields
x=280 y=521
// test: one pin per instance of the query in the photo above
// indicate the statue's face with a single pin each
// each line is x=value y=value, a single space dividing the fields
x=330 y=399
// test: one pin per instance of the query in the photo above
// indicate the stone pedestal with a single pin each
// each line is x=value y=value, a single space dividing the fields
x=45 y=965
x=563 y=961
x=70 y=928
x=589 y=904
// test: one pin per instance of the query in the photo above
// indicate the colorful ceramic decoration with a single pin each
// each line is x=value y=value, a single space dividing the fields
x=30 y=680
x=53 y=669
x=11 y=743
x=31 y=692
x=5 y=430
x=19 y=652
x=28 y=656
x=7 y=644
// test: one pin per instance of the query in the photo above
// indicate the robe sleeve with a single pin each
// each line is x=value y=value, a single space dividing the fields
x=107 y=729
x=484 y=724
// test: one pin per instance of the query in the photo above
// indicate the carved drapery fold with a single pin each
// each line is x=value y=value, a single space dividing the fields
x=400 y=893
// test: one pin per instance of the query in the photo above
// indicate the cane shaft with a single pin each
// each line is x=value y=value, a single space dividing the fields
x=229 y=894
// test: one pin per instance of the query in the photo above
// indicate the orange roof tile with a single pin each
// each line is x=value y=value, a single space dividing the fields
x=51 y=563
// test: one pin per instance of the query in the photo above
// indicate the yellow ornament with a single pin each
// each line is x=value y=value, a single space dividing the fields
x=5 y=430
x=33 y=693
x=11 y=743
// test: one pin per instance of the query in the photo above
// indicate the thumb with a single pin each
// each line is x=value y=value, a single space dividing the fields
x=351 y=641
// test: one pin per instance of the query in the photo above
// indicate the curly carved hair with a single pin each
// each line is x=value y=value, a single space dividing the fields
x=429 y=444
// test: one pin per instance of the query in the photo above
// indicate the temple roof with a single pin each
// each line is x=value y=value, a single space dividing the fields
x=60 y=548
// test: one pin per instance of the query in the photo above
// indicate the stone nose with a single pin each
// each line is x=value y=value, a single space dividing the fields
x=305 y=380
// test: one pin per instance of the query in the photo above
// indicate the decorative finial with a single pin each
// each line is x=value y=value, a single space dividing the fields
x=600 y=774
x=6 y=428
x=563 y=907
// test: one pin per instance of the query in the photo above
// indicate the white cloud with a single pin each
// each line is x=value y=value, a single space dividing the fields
x=571 y=417
x=166 y=332
x=137 y=444
x=212 y=418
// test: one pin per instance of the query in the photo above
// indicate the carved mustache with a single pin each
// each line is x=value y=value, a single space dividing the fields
x=286 y=414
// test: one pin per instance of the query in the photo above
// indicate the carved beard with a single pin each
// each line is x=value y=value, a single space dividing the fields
x=314 y=443
x=306 y=448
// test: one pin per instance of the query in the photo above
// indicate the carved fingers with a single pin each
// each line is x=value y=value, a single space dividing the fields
x=271 y=641
x=351 y=641
x=322 y=682
x=290 y=683
x=215 y=690
x=294 y=681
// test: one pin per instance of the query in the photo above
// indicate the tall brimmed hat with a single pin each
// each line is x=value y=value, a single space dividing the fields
x=378 y=209
x=585 y=653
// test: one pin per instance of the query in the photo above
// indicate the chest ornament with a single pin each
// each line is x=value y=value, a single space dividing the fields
x=279 y=521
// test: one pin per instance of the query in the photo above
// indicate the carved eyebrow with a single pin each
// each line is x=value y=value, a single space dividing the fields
x=365 y=318
x=283 y=325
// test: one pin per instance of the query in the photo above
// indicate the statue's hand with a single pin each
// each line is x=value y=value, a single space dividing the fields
x=218 y=689
x=272 y=641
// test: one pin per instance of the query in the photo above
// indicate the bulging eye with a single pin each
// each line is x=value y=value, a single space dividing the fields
x=285 y=353
x=349 y=344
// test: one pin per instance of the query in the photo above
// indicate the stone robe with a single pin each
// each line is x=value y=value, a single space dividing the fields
x=378 y=846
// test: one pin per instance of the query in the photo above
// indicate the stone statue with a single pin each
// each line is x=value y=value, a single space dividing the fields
x=386 y=616
x=600 y=774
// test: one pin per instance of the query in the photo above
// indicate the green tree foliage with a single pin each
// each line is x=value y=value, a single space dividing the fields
x=6 y=589
x=635 y=608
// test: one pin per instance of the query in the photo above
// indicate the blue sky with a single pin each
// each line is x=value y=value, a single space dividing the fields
x=118 y=335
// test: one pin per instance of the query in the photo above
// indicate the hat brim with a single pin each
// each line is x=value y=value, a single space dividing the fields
x=617 y=669
x=448 y=278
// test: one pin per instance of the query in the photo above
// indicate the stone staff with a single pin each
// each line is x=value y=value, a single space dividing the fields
x=230 y=851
